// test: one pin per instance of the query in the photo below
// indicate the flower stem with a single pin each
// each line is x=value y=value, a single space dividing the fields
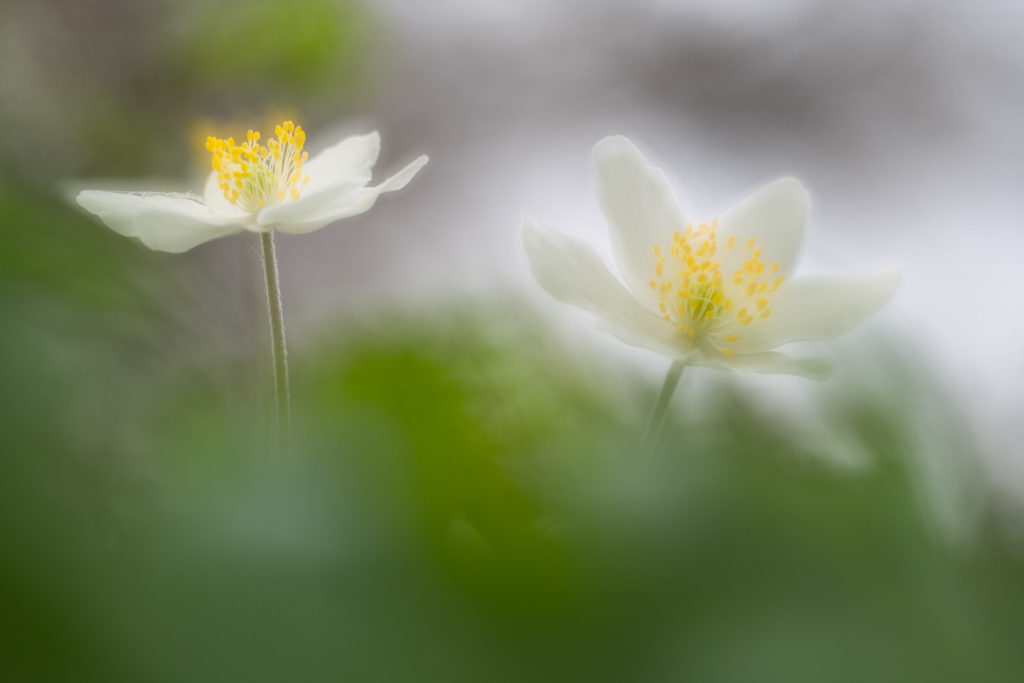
x=282 y=397
x=654 y=425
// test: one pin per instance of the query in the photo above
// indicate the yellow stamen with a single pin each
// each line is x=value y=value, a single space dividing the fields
x=252 y=175
x=694 y=293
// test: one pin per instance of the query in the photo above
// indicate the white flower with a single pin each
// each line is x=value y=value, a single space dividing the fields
x=255 y=187
x=718 y=293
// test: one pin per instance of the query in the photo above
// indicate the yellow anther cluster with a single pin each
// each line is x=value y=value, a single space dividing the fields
x=695 y=295
x=252 y=175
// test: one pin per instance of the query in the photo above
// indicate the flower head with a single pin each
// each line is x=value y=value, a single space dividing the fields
x=256 y=186
x=718 y=292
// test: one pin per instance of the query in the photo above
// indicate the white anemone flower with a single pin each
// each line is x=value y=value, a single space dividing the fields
x=717 y=293
x=260 y=188
x=255 y=187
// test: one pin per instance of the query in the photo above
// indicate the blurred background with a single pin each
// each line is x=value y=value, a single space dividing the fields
x=464 y=501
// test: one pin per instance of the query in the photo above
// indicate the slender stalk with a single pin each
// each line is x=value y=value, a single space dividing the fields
x=282 y=397
x=654 y=425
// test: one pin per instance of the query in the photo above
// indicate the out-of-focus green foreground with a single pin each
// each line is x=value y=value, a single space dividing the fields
x=464 y=502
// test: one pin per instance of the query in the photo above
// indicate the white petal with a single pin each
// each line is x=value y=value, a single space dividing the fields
x=775 y=216
x=214 y=199
x=640 y=207
x=572 y=272
x=349 y=161
x=164 y=222
x=771 y=362
x=343 y=205
x=818 y=308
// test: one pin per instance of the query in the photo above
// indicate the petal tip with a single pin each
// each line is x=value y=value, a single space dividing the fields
x=399 y=180
x=889 y=280
x=373 y=138
x=612 y=145
x=85 y=199
x=794 y=188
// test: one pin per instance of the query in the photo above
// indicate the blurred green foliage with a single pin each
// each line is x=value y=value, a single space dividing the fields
x=464 y=502
x=292 y=45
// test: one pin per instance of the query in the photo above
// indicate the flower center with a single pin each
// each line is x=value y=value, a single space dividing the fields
x=252 y=175
x=694 y=294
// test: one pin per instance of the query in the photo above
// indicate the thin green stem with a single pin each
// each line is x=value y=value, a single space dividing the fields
x=282 y=396
x=654 y=425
